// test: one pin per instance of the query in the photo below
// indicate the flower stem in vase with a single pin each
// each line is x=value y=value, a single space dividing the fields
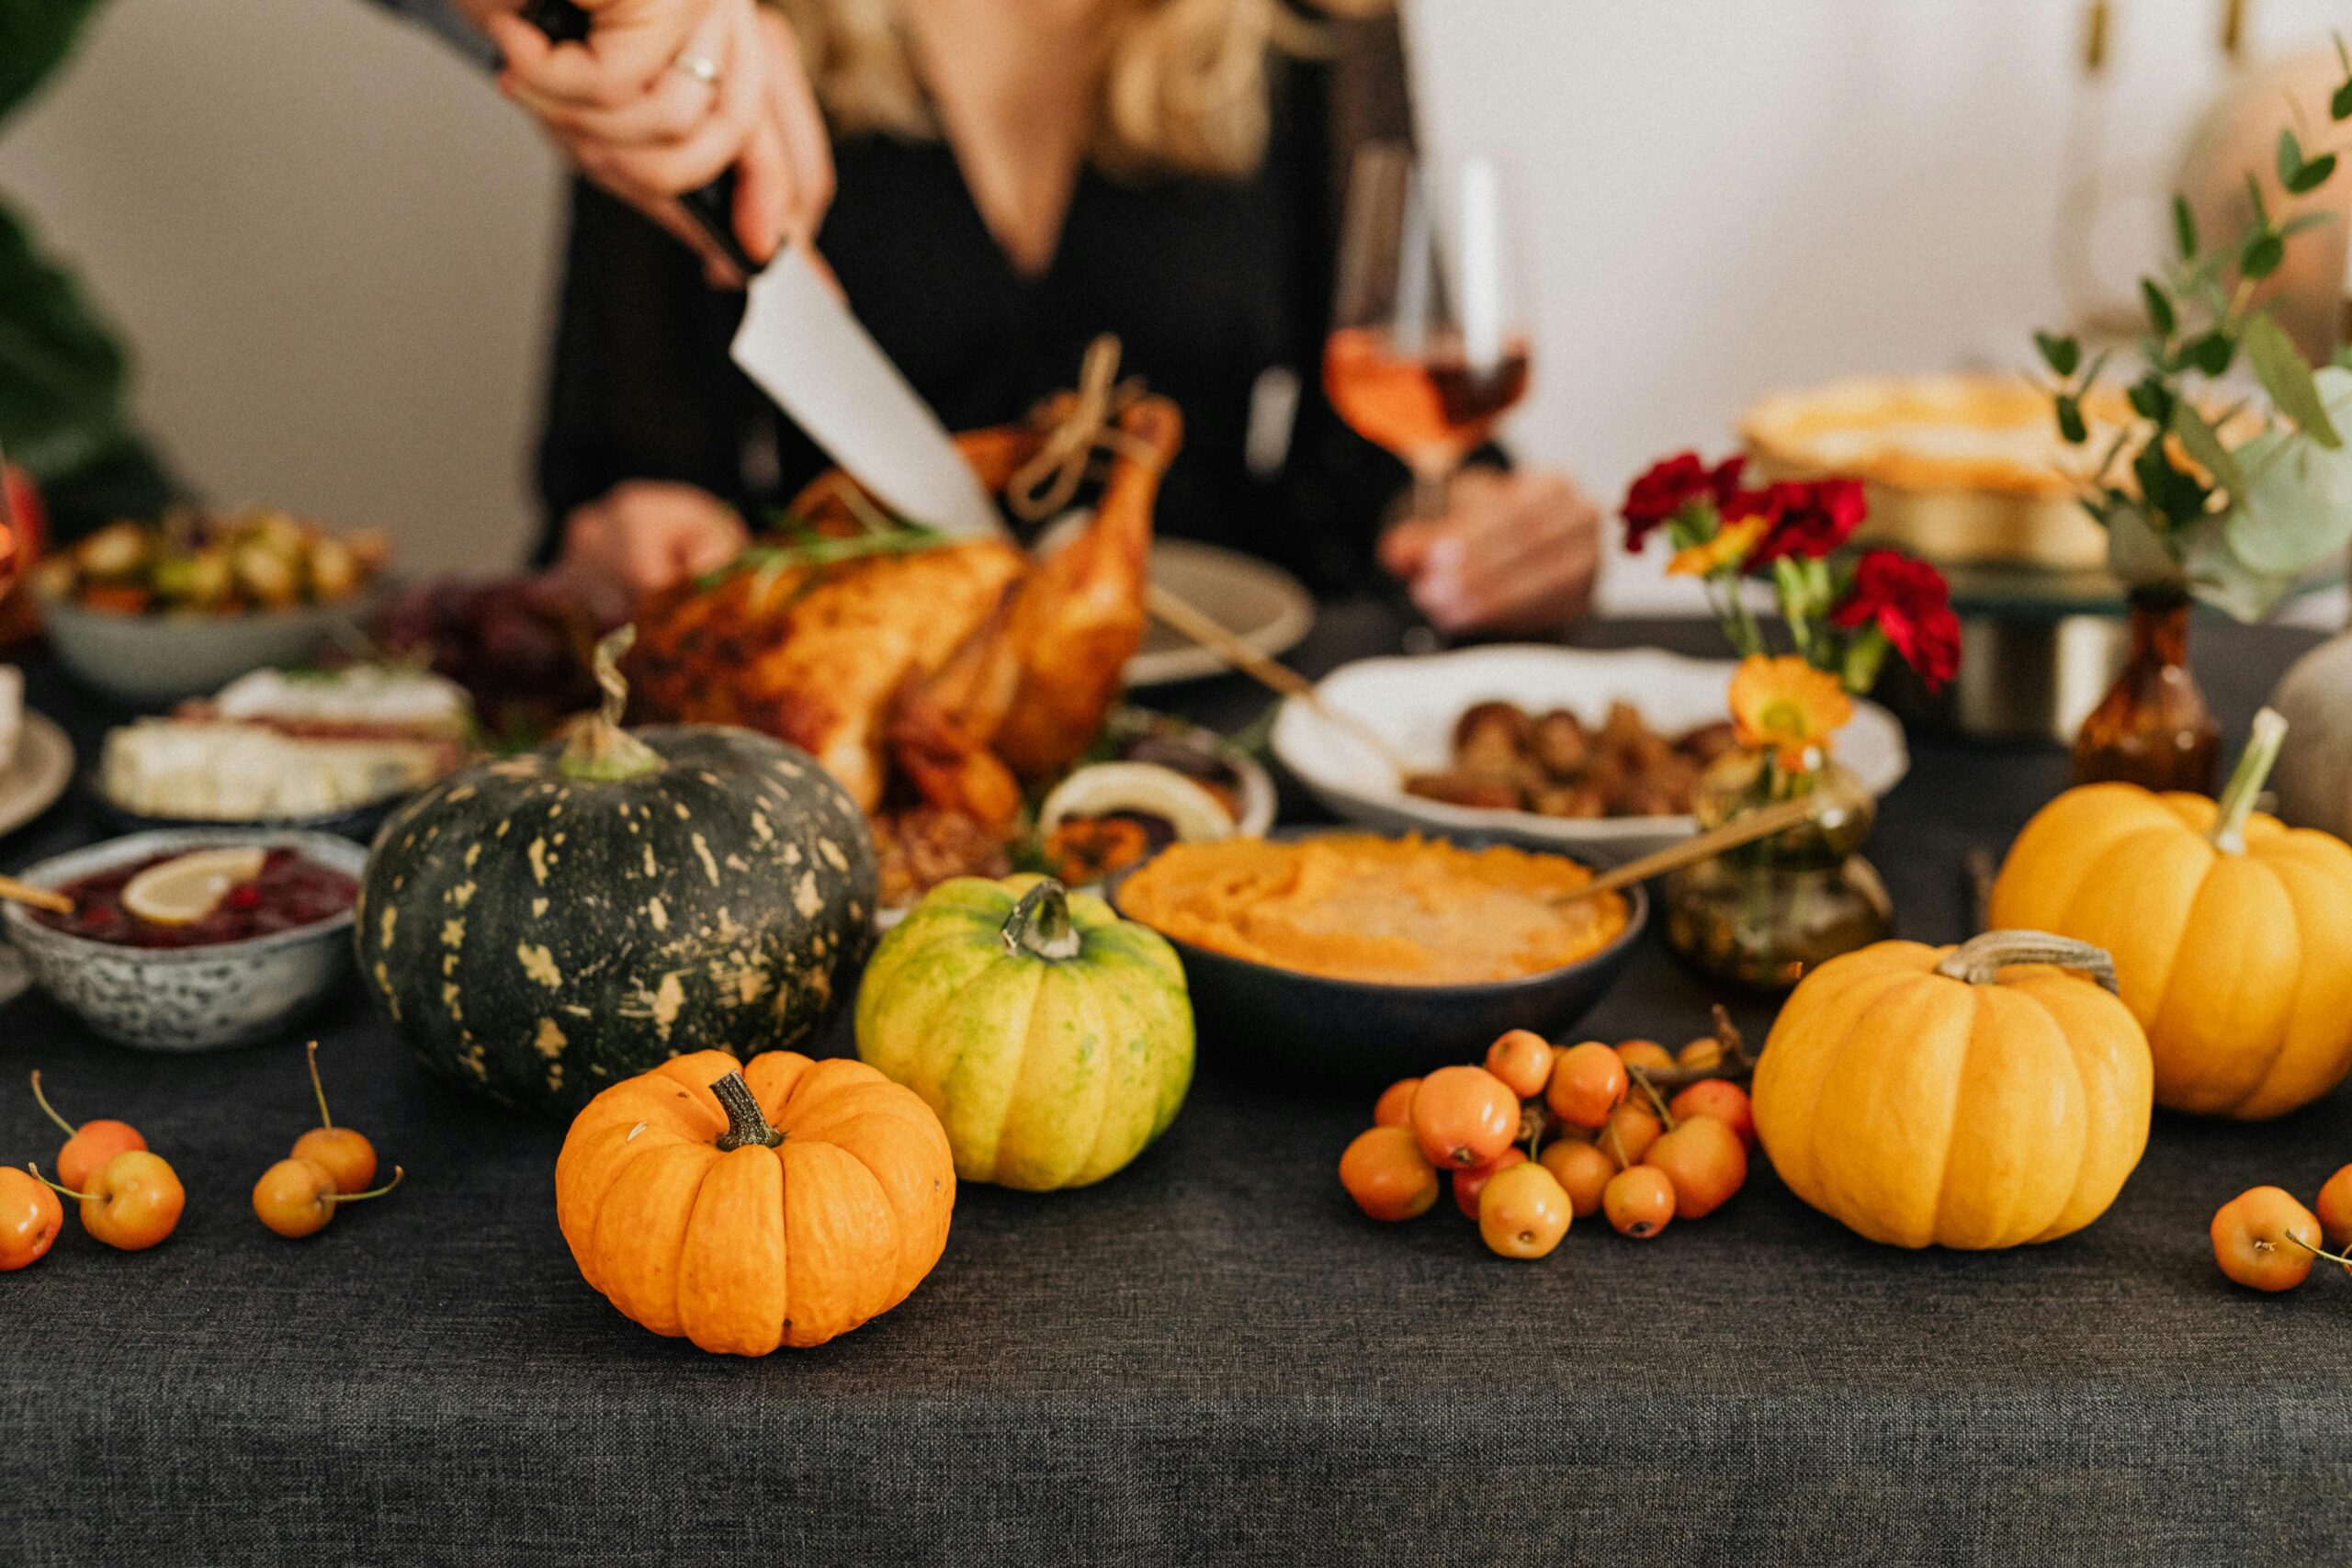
x=2153 y=727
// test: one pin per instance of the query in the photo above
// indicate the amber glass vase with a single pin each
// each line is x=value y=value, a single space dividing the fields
x=2152 y=727
x=1765 y=913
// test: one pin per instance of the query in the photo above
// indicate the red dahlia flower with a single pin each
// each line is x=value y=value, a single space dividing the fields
x=1808 y=519
x=1672 y=484
x=1911 y=602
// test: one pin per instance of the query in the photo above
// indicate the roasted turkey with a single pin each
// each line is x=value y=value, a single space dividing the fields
x=933 y=682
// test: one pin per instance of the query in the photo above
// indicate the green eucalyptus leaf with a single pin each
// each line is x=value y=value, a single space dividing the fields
x=2212 y=353
x=2136 y=551
x=2313 y=174
x=2184 y=226
x=2290 y=156
x=2070 y=420
x=2218 y=576
x=2294 y=507
x=2151 y=398
x=2160 y=311
x=2204 y=443
x=2294 y=226
x=2061 y=354
x=2262 y=254
x=2340 y=106
x=2287 y=378
x=2254 y=195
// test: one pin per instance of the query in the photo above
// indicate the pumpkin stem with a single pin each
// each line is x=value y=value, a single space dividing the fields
x=745 y=1124
x=2247 y=781
x=1979 y=960
x=601 y=750
x=1039 y=924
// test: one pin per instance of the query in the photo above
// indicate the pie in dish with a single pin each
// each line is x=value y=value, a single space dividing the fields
x=1960 y=468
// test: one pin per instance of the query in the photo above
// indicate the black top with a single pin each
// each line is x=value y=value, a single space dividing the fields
x=1207 y=283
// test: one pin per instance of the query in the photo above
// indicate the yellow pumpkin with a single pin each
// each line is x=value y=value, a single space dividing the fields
x=1976 y=1097
x=2231 y=932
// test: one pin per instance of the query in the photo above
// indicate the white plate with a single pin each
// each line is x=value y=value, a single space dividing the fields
x=1261 y=605
x=1411 y=704
x=37 y=774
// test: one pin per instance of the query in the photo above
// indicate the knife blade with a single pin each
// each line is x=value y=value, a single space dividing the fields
x=802 y=345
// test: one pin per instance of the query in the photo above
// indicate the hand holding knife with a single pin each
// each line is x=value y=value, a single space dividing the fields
x=801 y=345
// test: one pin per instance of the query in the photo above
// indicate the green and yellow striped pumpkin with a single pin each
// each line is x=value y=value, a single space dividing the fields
x=1052 y=1038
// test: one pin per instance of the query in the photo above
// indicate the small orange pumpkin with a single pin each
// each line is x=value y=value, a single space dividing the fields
x=1973 y=1097
x=748 y=1207
x=2231 y=932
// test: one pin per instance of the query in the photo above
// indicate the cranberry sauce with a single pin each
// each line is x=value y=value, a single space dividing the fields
x=292 y=890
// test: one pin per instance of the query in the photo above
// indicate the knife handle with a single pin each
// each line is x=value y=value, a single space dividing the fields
x=712 y=207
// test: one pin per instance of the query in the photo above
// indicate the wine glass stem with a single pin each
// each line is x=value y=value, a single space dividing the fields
x=1432 y=479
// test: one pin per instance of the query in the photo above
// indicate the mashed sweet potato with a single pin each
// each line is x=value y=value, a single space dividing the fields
x=1394 y=912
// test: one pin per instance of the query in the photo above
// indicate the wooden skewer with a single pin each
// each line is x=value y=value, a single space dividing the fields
x=38 y=898
x=1740 y=831
x=1210 y=633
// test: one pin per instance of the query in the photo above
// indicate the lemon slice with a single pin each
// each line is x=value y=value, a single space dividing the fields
x=1106 y=787
x=184 y=889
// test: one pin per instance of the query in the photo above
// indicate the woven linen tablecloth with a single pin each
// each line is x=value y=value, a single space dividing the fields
x=1210 y=1358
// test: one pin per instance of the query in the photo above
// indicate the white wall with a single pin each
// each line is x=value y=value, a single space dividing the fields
x=331 y=246
x=331 y=242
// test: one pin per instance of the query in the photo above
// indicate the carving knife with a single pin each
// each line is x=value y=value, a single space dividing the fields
x=800 y=342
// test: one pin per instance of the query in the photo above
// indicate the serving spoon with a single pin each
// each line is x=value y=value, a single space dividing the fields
x=1830 y=799
x=16 y=892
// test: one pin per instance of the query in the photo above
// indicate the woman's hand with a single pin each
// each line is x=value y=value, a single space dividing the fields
x=646 y=534
x=1517 y=554
x=730 y=92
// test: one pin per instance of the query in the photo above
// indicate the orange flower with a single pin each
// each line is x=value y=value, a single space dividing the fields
x=1728 y=548
x=1788 y=706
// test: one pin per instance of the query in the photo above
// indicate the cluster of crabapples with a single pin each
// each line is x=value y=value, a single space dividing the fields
x=2265 y=1239
x=131 y=1198
x=1542 y=1135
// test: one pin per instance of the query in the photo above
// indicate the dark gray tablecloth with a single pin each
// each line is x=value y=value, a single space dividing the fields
x=1210 y=1358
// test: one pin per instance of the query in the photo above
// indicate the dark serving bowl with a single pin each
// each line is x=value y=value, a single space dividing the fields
x=1353 y=1033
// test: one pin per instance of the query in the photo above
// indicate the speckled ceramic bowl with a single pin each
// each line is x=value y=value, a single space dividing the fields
x=188 y=999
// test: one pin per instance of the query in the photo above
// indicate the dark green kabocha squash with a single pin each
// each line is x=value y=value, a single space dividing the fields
x=542 y=927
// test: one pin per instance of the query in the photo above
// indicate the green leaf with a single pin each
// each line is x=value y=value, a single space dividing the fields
x=2295 y=507
x=2061 y=354
x=2287 y=378
x=2313 y=174
x=2290 y=156
x=2184 y=226
x=2203 y=442
x=2160 y=311
x=2070 y=420
x=2174 y=495
x=2294 y=226
x=2254 y=195
x=2212 y=353
x=2263 y=252
x=2136 y=551
x=2151 y=398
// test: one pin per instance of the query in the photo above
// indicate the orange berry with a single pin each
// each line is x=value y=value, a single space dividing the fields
x=1465 y=1117
x=1384 y=1173
x=1648 y=1054
x=2335 y=1209
x=134 y=1203
x=1631 y=1132
x=1639 y=1202
x=1588 y=1083
x=1395 y=1106
x=31 y=1217
x=1706 y=1162
x=1582 y=1171
x=2263 y=1239
x=1720 y=1098
x=89 y=1146
x=1468 y=1184
x=342 y=1152
x=1702 y=1054
x=1523 y=1059
x=296 y=1197
x=1523 y=1211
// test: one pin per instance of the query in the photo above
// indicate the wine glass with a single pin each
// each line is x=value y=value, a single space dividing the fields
x=1428 y=345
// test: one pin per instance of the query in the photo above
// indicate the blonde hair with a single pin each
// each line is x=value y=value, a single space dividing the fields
x=1182 y=89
